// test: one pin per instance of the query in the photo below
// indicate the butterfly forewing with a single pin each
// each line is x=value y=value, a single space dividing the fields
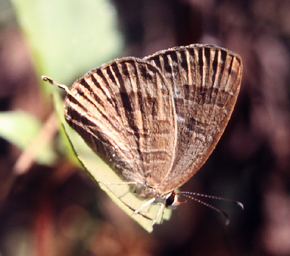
x=125 y=112
x=205 y=81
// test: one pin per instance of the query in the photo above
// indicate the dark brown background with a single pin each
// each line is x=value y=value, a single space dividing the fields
x=54 y=211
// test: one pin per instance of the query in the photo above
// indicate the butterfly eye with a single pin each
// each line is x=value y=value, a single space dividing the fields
x=170 y=200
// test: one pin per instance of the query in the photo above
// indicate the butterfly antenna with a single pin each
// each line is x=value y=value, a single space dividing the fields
x=213 y=197
x=61 y=86
x=190 y=196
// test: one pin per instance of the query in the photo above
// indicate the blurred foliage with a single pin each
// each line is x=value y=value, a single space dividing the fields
x=68 y=37
x=20 y=128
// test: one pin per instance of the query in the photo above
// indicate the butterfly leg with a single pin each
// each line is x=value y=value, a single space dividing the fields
x=144 y=205
x=160 y=211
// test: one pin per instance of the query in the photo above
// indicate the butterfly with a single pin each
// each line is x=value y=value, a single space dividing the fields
x=156 y=120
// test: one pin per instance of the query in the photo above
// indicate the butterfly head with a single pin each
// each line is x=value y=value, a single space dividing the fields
x=172 y=200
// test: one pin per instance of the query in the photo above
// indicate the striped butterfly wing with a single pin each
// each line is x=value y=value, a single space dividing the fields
x=205 y=81
x=125 y=112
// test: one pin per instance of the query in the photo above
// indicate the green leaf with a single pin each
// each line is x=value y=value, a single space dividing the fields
x=69 y=37
x=20 y=128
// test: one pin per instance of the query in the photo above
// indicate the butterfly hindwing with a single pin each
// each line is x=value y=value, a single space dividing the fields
x=205 y=81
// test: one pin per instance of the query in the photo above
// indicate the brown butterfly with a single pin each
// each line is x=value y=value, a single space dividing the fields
x=156 y=120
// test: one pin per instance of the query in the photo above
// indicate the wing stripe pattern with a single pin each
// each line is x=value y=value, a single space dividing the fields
x=205 y=81
x=124 y=111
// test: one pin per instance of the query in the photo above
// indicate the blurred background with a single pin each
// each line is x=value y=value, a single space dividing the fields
x=48 y=206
